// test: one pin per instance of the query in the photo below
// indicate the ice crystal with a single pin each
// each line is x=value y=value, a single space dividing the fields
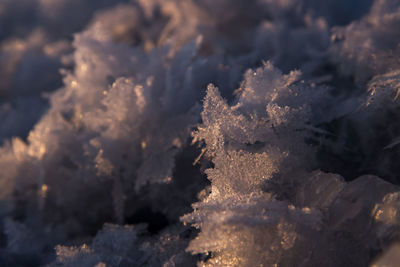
x=184 y=132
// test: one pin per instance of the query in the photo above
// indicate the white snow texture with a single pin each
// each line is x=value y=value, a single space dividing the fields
x=200 y=132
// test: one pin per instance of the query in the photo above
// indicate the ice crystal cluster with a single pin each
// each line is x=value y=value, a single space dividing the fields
x=200 y=132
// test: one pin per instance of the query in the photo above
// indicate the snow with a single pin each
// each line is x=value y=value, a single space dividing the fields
x=184 y=132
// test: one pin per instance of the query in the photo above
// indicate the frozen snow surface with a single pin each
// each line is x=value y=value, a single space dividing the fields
x=200 y=132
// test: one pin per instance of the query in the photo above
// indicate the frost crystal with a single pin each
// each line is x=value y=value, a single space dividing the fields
x=222 y=133
x=264 y=206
